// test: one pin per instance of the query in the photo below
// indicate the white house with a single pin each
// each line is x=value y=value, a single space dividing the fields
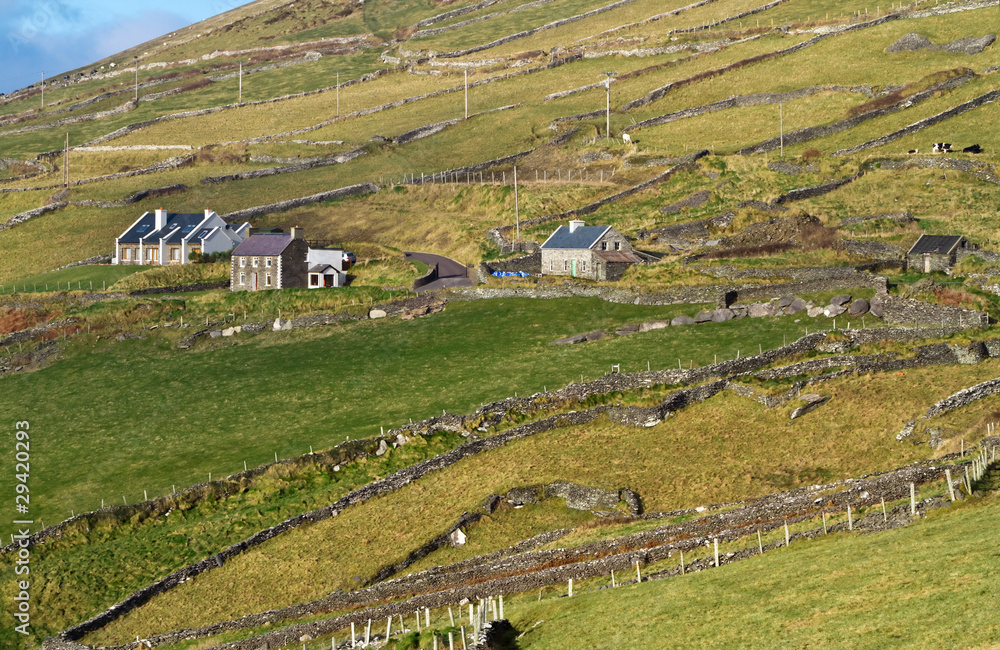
x=326 y=267
x=162 y=238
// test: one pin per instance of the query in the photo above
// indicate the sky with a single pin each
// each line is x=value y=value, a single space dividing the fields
x=56 y=36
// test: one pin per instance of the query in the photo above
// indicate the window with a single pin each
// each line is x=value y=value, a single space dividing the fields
x=267 y=262
x=175 y=254
x=243 y=278
x=552 y=265
x=254 y=262
x=604 y=245
x=314 y=279
x=583 y=266
x=127 y=253
x=267 y=280
x=618 y=245
x=243 y=262
x=565 y=265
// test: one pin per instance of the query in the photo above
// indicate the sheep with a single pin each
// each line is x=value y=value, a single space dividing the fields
x=626 y=138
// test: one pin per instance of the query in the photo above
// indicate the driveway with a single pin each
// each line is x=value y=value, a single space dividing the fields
x=450 y=272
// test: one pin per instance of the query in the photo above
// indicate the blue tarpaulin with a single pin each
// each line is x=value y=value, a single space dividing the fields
x=511 y=274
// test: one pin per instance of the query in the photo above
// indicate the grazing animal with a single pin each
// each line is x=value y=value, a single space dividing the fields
x=913 y=151
x=942 y=147
x=627 y=138
x=973 y=149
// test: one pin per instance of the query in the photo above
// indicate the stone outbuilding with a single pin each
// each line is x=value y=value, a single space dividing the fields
x=591 y=252
x=937 y=252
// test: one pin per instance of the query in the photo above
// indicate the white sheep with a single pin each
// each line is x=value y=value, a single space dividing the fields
x=627 y=138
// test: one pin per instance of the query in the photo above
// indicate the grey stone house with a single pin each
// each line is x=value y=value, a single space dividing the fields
x=591 y=252
x=269 y=261
x=284 y=261
x=937 y=252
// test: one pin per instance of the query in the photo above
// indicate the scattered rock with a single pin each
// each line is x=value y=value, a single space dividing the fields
x=692 y=201
x=832 y=311
x=654 y=325
x=722 y=315
x=596 y=335
x=840 y=300
x=457 y=538
x=627 y=329
x=761 y=309
x=970 y=44
x=910 y=43
x=377 y=313
x=382 y=448
x=703 y=317
x=796 y=306
x=215 y=334
x=875 y=306
x=682 y=320
x=813 y=312
x=859 y=307
x=785 y=301
x=812 y=402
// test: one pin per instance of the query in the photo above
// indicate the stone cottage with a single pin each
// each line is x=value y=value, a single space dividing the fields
x=162 y=238
x=937 y=252
x=284 y=261
x=590 y=252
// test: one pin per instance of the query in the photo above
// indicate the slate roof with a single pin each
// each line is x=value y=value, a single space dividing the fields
x=144 y=228
x=320 y=268
x=941 y=244
x=582 y=238
x=264 y=243
x=185 y=224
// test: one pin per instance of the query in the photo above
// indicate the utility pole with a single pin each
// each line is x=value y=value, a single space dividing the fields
x=517 y=214
x=241 y=84
x=338 y=93
x=607 y=108
x=467 y=102
x=136 y=79
x=43 y=90
x=66 y=162
x=781 y=129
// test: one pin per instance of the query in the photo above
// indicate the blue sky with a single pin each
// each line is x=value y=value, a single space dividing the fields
x=59 y=35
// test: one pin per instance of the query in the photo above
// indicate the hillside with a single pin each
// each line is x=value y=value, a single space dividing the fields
x=269 y=469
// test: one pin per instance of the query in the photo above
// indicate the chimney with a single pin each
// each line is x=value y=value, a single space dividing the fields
x=296 y=232
x=574 y=224
x=161 y=218
x=208 y=213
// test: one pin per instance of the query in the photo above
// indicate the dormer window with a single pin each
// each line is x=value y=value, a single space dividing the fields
x=618 y=245
x=604 y=245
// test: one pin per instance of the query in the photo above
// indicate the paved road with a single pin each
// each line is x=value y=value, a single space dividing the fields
x=450 y=272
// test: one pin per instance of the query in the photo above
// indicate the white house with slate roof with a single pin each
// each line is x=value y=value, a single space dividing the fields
x=162 y=238
x=591 y=252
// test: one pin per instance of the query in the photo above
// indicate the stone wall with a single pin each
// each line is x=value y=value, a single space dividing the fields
x=526 y=264
x=259 y=211
x=898 y=310
x=181 y=288
x=426 y=278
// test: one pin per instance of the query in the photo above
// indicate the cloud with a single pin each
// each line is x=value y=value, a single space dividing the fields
x=130 y=32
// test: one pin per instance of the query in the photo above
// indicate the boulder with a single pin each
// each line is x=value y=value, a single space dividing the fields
x=840 y=300
x=377 y=313
x=703 y=317
x=382 y=448
x=909 y=43
x=875 y=306
x=457 y=538
x=627 y=329
x=596 y=335
x=525 y=495
x=812 y=402
x=761 y=309
x=832 y=311
x=796 y=306
x=571 y=340
x=970 y=44
x=859 y=307
x=682 y=320
x=813 y=312
x=722 y=315
x=215 y=334
x=785 y=301
x=229 y=331
x=654 y=325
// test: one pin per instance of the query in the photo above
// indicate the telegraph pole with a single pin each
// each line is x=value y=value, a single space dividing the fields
x=467 y=107
x=241 y=84
x=66 y=162
x=517 y=214
x=43 y=90
x=136 y=79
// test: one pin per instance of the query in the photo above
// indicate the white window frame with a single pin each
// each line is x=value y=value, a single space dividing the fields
x=175 y=254
x=267 y=279
x=243 y=278
x=565 y=265
x=127 y=254
x=267 y=262
x=253 y=262
x=618 y=245
x=243 y=262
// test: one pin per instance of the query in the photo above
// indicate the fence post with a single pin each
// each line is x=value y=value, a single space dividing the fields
x=716 y=540
x=951 y=490
x=571 y=587
x=850 y=519
x=885 y=518
x=760 y=543
x=638 y=574
x=913 y=499
x=463 y=638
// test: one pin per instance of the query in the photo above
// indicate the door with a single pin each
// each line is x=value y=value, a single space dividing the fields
x=574 y=268
x=927 y=262
x=600 y=271
x=253 y=281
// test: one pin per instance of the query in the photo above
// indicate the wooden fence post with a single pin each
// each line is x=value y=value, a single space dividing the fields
x=760 y=543
x=638 y=574
x=951 y=490
x=885 y=517
x=850 y=519
x=353 y=638
x=451 y=617
x=786 y=535
x=570 y=588
x=716 y=540
x=913 y=499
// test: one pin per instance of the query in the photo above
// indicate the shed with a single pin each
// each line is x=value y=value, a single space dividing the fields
x=937 y=252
